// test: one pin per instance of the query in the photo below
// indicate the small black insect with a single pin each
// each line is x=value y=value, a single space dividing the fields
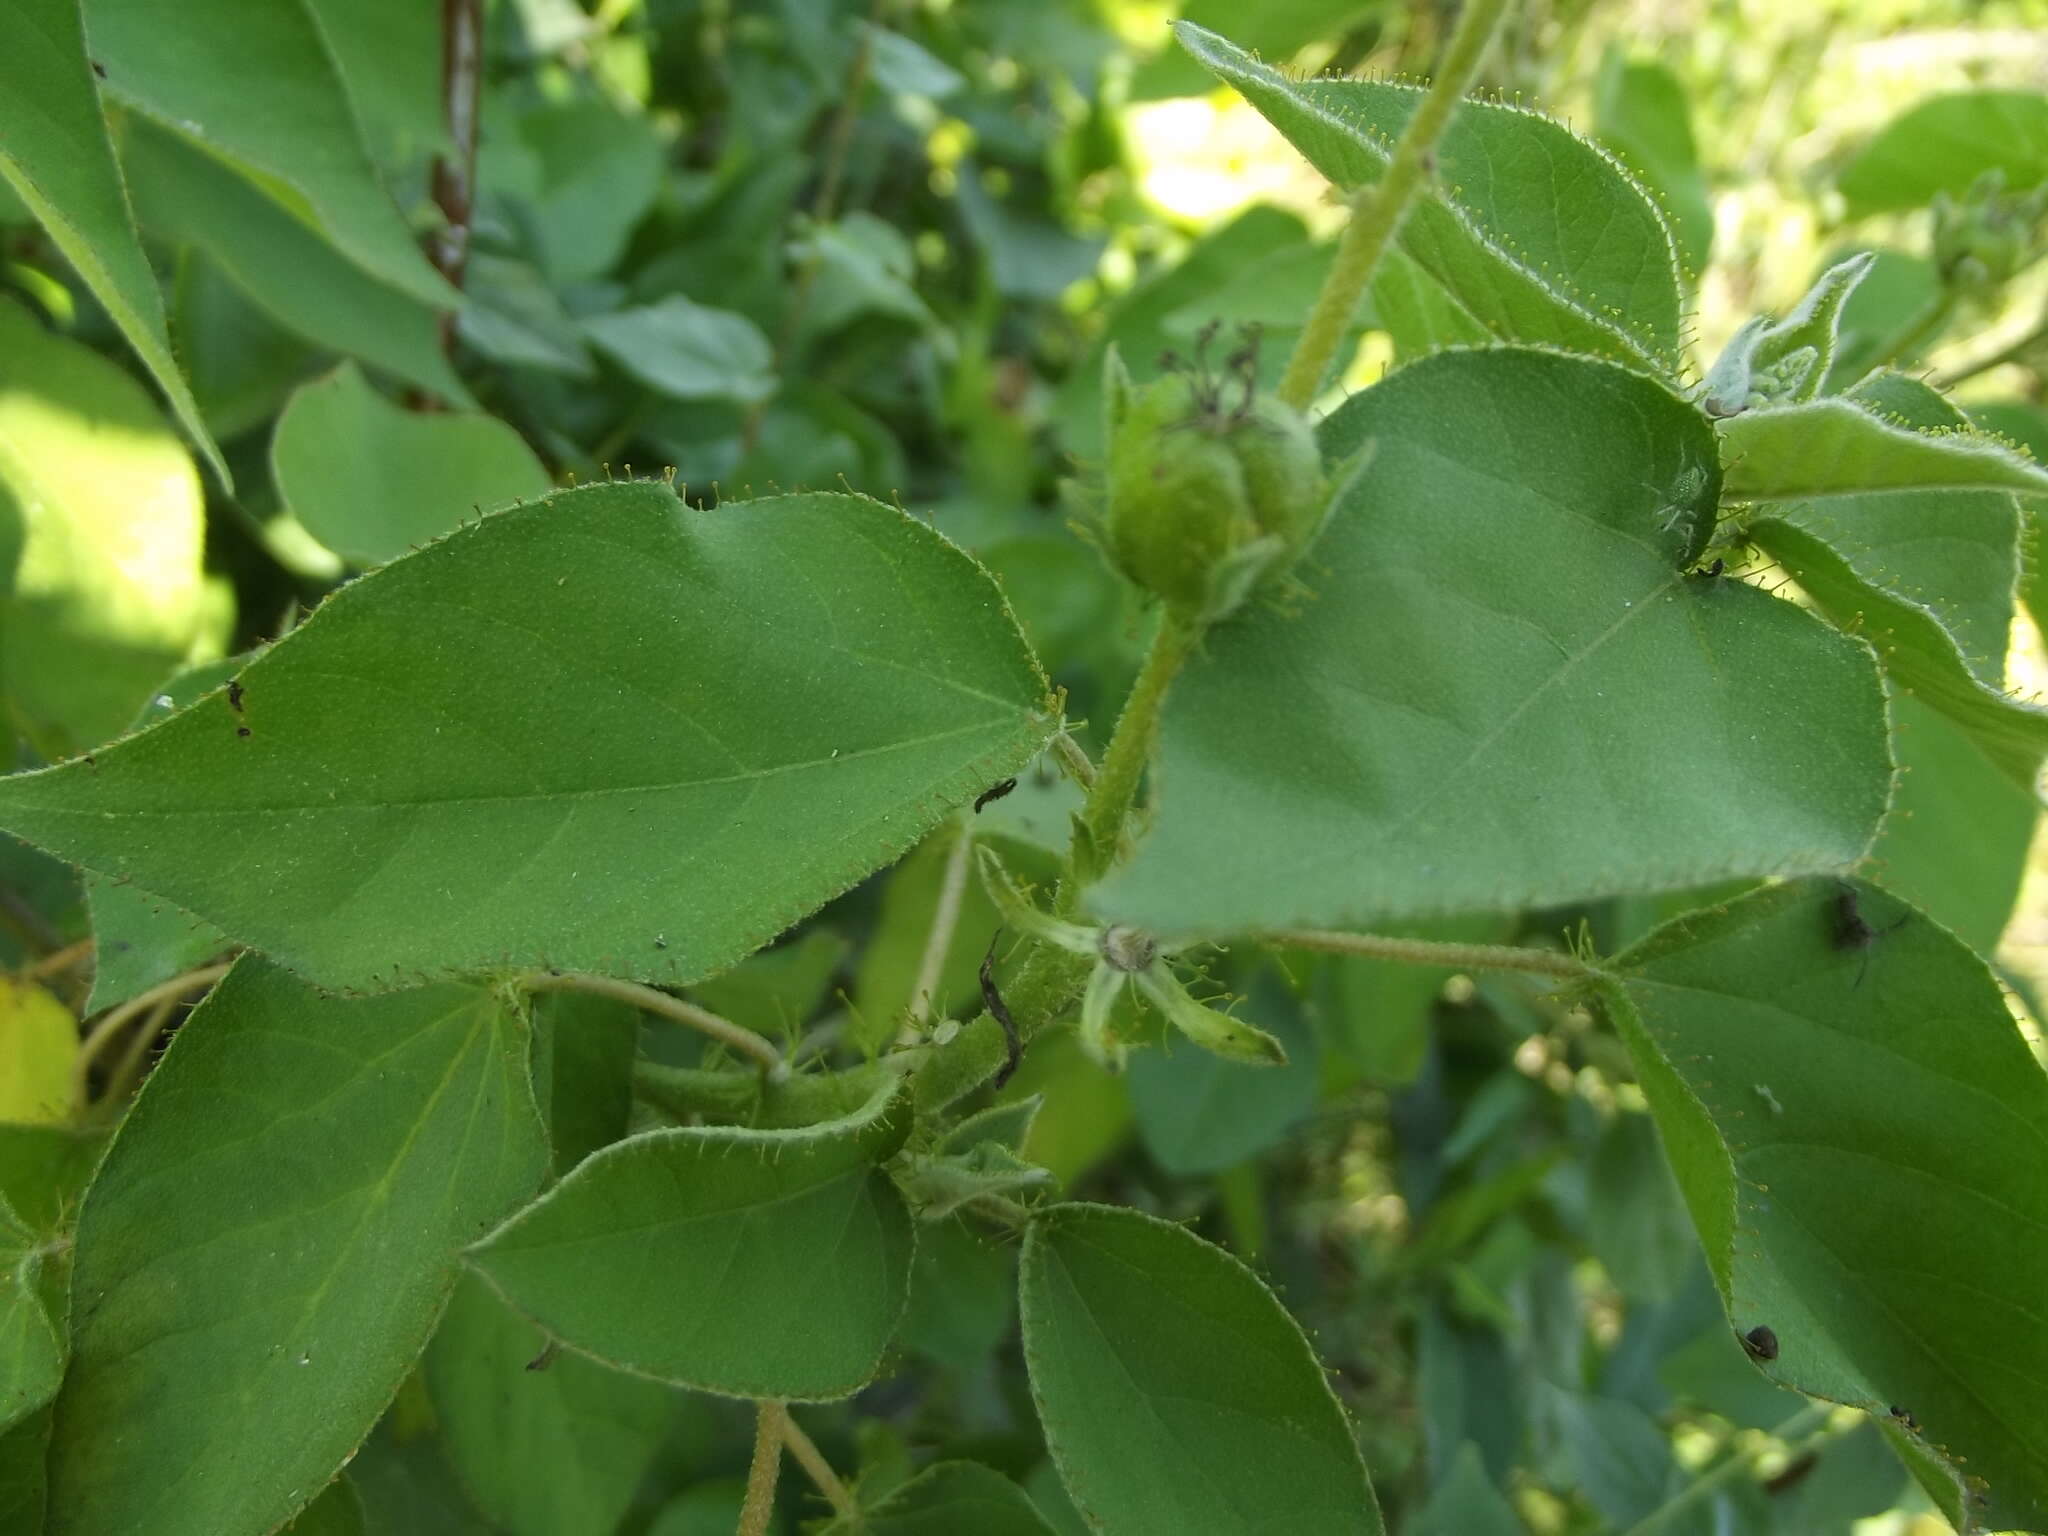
x=546 y=1357
x=1709 y=572
x=992 y=1000
x=235 y=695
x=1852 y=931
x=241 y=730
x=1761 y=1343
x=99 y=69
x=994 y=792
x=1905 y=1417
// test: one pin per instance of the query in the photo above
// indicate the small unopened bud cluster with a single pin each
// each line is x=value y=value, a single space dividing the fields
x=1213 y=487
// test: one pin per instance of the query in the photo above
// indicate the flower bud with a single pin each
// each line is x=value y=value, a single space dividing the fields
x=1212 y=487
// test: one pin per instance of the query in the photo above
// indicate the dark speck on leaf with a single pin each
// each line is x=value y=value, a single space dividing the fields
x=546 y=1357
x=241 y=730
x=994 y=792
x=235 y=695
x=1761 y=1343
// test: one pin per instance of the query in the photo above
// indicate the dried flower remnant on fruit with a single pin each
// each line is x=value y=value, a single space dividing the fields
x=1761 y=1343
x=1213 y=488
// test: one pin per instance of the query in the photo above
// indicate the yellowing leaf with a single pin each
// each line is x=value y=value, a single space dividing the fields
x=38 y=1043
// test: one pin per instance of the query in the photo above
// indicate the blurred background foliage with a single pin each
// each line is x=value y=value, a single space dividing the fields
x=798 y=243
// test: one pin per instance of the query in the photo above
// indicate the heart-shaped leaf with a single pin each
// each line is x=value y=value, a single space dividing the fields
x=1530 y=232
x=269 y=1241
x=1862 y=1137
x=1502 y=688
x=605 y=731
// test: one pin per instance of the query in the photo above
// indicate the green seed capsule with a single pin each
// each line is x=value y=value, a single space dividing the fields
x=1212 y=488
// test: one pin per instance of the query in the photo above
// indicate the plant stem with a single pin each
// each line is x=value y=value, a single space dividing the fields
x=816 y=1467
x=127 y=1071
x=938 y=942
x=63 y=960
x=454 y=177
x=115 y=1019
x=1378 y=210
x=744 y=1041
x=2008 y=354
x=770 y=1419
x=1130 y=748
x=1074 y=760
x=1464 y=957
x=1805 y=1429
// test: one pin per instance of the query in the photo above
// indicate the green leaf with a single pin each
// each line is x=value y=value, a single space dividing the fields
x=1640 y=114
x=389 y=53
x=546 y=1445
x=777 y=991
x=24 y=1487
x=1955 y=840
x=31 y=1345
x=581 y=172
x=258 y=86
x=2026 y=426
x=43 y=1171
x=584 y=1047
x=511 y=316
x=1895 y=294
x=1086 y=1110
x=696 y=726
x=1201 y=1113
x=1375 y=1014
x=1617 y=1455
x=406 y=1484
x=1534 y=233
x=268 y=1243
x=107 y=593
x=294 y=276
x=1175 y=1392
x=371 y=480
x=1944 y=144
x=1466 y=1503
x=1635 y=1219
x=1858 y=1128
x=1927 y=574
x=963 y=1296
x=1503 y=688
x=688 y=351
x=140 y=939
x=54 y=152
x=337 y=1512
x=749 y=1263
x=1845 y=446
x=887 y=971
x=946 y=1500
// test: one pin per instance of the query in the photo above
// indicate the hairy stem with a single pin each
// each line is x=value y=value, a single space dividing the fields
x=817 y=1468
x=1116 y=782
x=1464 y=957
x=114 y=1020
x=770 y=1422
x=938 y=942
x=1378 y=210
x=761 y=1051
x=1803 y=1431
x=127 y=1073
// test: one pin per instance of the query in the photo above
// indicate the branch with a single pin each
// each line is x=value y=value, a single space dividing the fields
x=454 y=181
x=1463 y=957
x=1379 y=210
x=817 y=1468
x=771 y=1420
x=742 y=1040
